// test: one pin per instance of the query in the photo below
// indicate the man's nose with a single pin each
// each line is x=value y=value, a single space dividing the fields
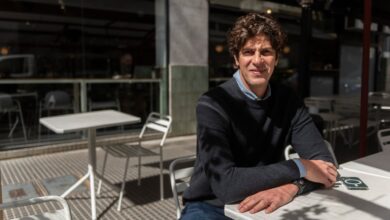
x=258 y=59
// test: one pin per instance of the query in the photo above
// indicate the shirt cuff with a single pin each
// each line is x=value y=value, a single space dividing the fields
x=302 y=170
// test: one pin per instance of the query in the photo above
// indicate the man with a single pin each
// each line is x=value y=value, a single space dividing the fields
x=243 y=127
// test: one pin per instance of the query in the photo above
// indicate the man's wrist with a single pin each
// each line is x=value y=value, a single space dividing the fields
x=300 y=183
x=301 y=167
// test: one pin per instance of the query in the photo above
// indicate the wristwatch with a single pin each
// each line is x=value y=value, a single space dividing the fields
x=300 y=183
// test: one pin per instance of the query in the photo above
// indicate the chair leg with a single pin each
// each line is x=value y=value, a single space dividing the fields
x=12 y=128
x=23 y=126
x=103 y=169
x=123 y=184
x=161 y=176
x=139 y=170
x=39 y=124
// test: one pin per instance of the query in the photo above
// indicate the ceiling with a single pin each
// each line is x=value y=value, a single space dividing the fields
x=131 y=24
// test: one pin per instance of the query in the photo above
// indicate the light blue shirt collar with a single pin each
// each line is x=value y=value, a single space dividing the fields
x=247 y=92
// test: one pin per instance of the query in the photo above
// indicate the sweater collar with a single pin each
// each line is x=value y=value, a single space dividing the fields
x=251 y=95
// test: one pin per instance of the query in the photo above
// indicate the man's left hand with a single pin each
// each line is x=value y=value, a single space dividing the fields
x=269 y=200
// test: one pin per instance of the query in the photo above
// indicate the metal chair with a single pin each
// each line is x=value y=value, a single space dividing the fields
x=60 y=214
x=105 y=96
x=8 y=106
x=384 y=139
x=55 y=101
x=290 y=154
x=100 y=105
x=323 y=107
x=349 y=110
x=180 y=171
x=155 y=122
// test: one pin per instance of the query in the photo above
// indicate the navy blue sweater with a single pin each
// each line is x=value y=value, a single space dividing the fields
x=240 y=143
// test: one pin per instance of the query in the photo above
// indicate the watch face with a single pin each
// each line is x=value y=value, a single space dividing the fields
x=300 y=184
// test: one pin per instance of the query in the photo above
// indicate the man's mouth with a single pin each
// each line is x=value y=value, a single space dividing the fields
x=259 y=71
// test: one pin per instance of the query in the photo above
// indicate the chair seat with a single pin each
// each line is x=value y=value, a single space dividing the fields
x=103 y=104
x=355 y=122
x=128 y=150
x=57 y=215
x=156 y=122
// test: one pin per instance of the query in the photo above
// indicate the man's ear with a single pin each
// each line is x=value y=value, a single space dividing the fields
x=276 y=60
x=236 y=63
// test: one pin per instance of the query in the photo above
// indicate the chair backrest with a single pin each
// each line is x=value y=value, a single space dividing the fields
x=6 y=102
x=290 y=154
x=317 y=105
x=347 y=108
x=60 y=214
x=330 y=148
x=180 y=171
x=159 y=123
x=384 y=139
x=57 y=100
x=379 y=94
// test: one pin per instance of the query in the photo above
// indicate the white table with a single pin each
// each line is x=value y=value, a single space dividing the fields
x=88 y=121
x=339 y=202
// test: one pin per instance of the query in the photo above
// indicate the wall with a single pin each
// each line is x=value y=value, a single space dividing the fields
x=188 y=61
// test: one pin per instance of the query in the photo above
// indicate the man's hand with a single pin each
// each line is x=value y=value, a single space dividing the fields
x=270 y=199
x=320 y=171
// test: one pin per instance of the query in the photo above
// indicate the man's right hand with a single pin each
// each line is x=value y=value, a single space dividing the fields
x=320 y=171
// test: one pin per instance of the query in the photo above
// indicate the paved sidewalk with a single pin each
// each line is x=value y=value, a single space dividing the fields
x=50 y=173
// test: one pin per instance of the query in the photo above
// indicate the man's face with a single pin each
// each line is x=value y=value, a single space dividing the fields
x=256 y=61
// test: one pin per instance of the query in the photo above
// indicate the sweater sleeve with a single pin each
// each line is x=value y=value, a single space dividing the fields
x=308 y=143
x=229 y=182
x=306 y=139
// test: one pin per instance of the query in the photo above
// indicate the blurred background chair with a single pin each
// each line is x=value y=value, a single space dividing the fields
x=379 y=106
x=384 y=139
x=155 y=122
x=55 y=102
x=180 y=172
x=104 y=96
x=8 y=106
x=289 y=153
x=104 y=104
x=59 y=214
x=322 y=107
x=349 y=110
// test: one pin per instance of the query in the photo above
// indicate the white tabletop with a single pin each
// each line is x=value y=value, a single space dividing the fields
x=339 y=202
x=375 y=164
x=80 y=121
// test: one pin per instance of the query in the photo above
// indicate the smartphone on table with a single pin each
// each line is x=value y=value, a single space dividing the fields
x=353 y=183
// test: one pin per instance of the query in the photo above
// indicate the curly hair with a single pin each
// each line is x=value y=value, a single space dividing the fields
x=253 y=24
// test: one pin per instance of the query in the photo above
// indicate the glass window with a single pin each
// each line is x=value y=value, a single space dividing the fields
x=50 y=49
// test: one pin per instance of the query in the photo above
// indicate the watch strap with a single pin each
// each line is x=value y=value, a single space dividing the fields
x=300 y=183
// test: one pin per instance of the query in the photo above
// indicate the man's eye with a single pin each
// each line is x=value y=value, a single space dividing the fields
x=267 y=52
x=247 y=52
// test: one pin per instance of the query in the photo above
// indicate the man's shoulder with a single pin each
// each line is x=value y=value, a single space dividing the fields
x=280 y=90
x=221 y=97
x=224 y=90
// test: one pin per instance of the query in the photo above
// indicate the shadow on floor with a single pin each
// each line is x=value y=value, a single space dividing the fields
x=148 y=191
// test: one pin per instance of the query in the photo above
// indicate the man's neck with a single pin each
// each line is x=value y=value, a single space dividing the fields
x=259 y=91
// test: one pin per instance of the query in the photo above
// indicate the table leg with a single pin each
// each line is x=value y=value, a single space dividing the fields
x=92 y=190
x=90 y=172
x=1 y=197
x=91 y=168
x=74 y=186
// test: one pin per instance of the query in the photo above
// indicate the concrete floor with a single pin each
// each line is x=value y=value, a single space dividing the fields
x=140 y=202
